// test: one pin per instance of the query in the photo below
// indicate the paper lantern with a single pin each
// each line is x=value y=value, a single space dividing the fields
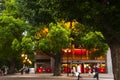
x=83 y=51
x=77 y=51
x=67 y=51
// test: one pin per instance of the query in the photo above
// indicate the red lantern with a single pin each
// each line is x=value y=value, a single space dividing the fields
x=66 y=70
x=67 y=51
x=83 y=51
x=77 y=51
x=40 y=70
x=63 y=50
x=48 y=70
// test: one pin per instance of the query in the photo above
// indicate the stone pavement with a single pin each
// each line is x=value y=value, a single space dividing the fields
x=49 y=76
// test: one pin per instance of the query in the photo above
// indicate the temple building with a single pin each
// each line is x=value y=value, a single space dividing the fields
x=72 y=58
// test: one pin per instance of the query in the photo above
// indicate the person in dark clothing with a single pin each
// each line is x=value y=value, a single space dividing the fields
x=22 y=70
x=27 y=70
x=3 y=70
x=95 y=70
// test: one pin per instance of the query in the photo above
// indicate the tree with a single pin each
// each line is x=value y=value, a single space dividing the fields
x=10 y=28
x=58 y=37
x=85 y=37
x=93 y=41
x=102 y=15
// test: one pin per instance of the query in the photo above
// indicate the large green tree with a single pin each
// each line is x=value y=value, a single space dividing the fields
x=11 y=27
x=58 y=38
x=102 y=15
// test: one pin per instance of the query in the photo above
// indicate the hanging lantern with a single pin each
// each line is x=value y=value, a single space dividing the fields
x=67 y=51
x=83 y=51
x=77 y=51
x=64 y=51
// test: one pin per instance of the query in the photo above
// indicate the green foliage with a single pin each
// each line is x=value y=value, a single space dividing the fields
x=58 y=38
x=11 y=8
x=14 y=26
x=43 y=45
x=90 y=40
x=78 y=32
x=26 y=44
x=95 y=40
x=10 y=28
x=15 y=45
x=102 y=50
x=102 y=15
x=34 y=12
x=1 y=6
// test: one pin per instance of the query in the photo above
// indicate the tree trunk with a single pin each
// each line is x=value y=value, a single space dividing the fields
x=57 y=65
x=12 y=67
x=115 y=54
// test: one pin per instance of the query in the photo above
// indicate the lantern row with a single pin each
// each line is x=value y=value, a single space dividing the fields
x=74 y=51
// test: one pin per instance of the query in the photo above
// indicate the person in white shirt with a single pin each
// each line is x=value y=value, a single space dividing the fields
x=73 y=70
x=79 y=68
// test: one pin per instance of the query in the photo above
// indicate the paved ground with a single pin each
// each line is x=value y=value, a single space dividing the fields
x=49 y=76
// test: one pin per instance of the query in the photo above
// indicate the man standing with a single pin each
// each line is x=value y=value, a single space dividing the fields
x=95 y=70
x=78 y=70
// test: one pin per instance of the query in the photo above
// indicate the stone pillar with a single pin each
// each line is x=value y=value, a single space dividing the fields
x=109 y=62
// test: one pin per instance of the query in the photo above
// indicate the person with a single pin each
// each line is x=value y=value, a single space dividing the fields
x=6 y=70
x=1 y=72
x=73 y=70
x=95 y=72
x=78 y=70
x=27 y=70
x=89 y=70
x=22 y=69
